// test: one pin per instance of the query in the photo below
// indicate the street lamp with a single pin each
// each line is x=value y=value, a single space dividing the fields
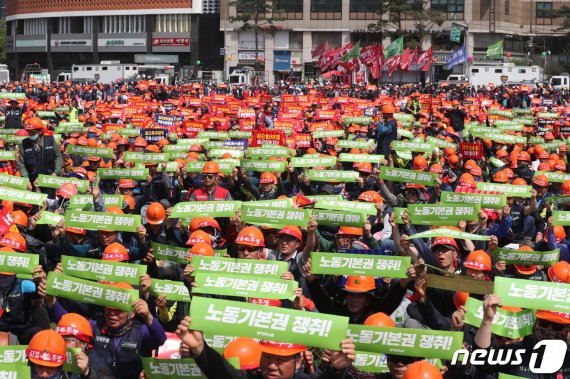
x=544 y=54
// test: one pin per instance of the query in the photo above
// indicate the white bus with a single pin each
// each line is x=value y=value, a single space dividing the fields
x=106 y=72
x=482 y=75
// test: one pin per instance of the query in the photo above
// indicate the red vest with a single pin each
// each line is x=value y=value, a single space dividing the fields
x=220 y=194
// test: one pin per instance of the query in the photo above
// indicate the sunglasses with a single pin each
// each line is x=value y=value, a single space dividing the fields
x=209 y=176
x=249 y=249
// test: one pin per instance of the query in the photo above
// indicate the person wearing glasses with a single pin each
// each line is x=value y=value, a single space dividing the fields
x=211 y=190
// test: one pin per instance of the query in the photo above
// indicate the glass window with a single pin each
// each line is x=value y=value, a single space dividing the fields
x=474 y=70
x=507 y=6
x=498 y=70
x=290 y=9
x=543 y=10
x=363 y=5
x=322 y=6
x=76 y=25
x=522 y=71
x=449 y=7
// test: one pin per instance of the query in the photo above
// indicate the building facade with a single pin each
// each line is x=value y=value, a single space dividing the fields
x=59 y=33
x=525 y=26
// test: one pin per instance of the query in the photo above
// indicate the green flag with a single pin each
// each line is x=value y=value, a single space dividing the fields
x=495 y=50
x=353 y=53
x=395 y=48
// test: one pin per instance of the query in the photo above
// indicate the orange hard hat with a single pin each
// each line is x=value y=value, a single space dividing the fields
x=460 y=298
x=202 y=248
x=449 y=151
x=467 y=180
x=470 y=163
x=565 y=188
x=500 y=177
x=281 y=349
x=436 y=168
x=420 y=163
x=501 y=153
x=129 y=202
x=192 y=156
x=140 y=142
x=247 y=350
x=155 y=214
x=560 y=166
x=73 y=324
x=91 y=142
x=519 y=182
x=209 y=222
x=8 y=205
x=350 y=230
x=292 y=230
x=360 y=284
x=561 y=318
x=540 y=180
x=194 y=224
x=268 y=178
x=114 y=210
x=47 y=348
x=163 y=142
x=379 y=319
x=152 y=149
x=198 y=236
x=478 y=260
x=127 y=183
x=476 y=171
x=370 y=197
x=250 y=236
x=34 y=123
x=559 y=272
x=115 y=252
x=523 y=156
x=79 y=231
x=422 y=370
x=211 y=168
x=14 y=240
x=453 y=160
x=444 y=241
x=20 y=218
x=388 y=109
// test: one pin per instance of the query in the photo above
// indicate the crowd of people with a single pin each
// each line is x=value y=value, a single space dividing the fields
x=383 y=155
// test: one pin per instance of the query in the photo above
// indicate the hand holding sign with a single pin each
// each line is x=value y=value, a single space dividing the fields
x=191 y=338
x=342 y=359
x=140 y=308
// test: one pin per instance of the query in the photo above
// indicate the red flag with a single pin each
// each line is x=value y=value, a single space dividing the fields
x=375 y=68
x=320 y=49
x=325 y=61
x=381 y=56
x=369 y=54
x=414 y=56
x=424 y=57
x=405 y=60
x=393 y=63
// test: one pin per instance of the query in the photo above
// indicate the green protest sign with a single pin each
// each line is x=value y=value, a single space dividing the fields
x=129 y=132
x=333 y=176
x=277 y=203
x=123 y=173
x=343 y=205
x=244 y=286
x=532 y=294
x=444 y=232
x=526 y=257
x=553 y=145
x=10 y=371
x=506 y=376
x=234 y=318
x=51 y=181
x=18 y=263
x=484 y=200
x=527 y=121
x=196 y=166
x=49 y=218
x=536 y=140
x=359 y=264
x=508 y=189
x=553 y=177
x=85 y=202
x=70 y=364
x=214 y=135
x=170 y=253
x=130 y=156
x=174 y=291
x=440 y=142
x=413 y=146
x=404 y=116
x=12 y=181
x=176 y=148
x=328 y=133
x=252 y=214
x=313 y=161
x=497 y=136
x=352 y=144
x=12 y=95
x=505 y=323
x=90 y=292
x=496 y=162
x=99 y=270
x=192 y=141
x=339 y=218
x=213 y=144
x=263 y=152
x=324 y=197
x=357 y=120
x=547 y=115
x=13 y=355
x=102 y=221
x=195 y=209
x=155 y=368
x=405 y=341
x=371 y=158
x=405 y=155
x=70 y=127
x=218 y=153
x=102 y=152
x=262 y=166
x=560 y=200
x=4 y=131
x=235 y=266
x=561 y=218
x=7 y=155
x=407 y=176
x=499 y=112
x=373 y=363
x=508 y=125
x=439 y=214
x=240 y=134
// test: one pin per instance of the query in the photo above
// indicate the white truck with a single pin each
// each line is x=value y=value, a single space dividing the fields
x=105 y=72
x=507 y=73
x=4 y=73
x=561 y=81
x=242 y=75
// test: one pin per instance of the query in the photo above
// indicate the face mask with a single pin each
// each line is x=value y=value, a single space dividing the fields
x=35 y=137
